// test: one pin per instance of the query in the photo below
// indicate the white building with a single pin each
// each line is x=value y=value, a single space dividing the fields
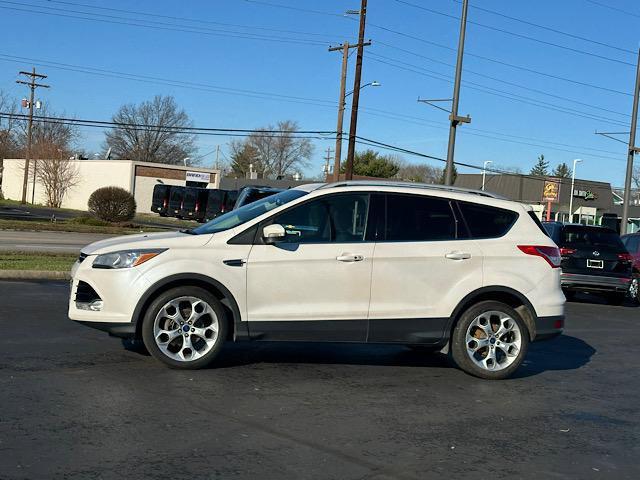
x=135 y=177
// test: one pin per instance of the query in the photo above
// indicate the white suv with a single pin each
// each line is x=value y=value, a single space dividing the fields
x=426 y=266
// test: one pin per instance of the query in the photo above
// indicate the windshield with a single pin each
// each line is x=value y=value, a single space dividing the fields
x=248 y=212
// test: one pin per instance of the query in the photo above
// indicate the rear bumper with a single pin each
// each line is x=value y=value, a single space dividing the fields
x=594 y=282
x=549 y=327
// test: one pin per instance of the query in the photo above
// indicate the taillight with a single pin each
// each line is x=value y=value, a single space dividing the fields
x=550 y=254
x=197 y=206
x=565 y=252
x=625 y=257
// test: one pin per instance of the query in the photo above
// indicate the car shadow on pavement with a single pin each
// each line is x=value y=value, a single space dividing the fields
x=234 y=355
x=595 y=299
x=562 y=353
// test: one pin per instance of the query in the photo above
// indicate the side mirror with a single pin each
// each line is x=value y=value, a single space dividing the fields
x=273 y=233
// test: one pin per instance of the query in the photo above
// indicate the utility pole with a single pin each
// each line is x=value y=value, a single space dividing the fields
x=32 y=86
x=341 y=104
x=632 y=150
x=342 y=101
x=356 y=93
x=453 y=117
x=327 y=170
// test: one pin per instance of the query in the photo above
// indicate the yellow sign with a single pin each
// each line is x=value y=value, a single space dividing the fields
x=551 y=191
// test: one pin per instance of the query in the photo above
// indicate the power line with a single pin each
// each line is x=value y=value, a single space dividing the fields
x=496 y=61
x=268 y=95
x=170 y=27
x=550 y=29
x=186 y=19
x=626 y=12
x=165 y=81
x=195 y=130
x=510 y=96
x=541 y=92
x=520 y=35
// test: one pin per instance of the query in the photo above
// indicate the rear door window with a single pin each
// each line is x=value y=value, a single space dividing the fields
x=591 y=237
x=487 y=222
x=419 y=218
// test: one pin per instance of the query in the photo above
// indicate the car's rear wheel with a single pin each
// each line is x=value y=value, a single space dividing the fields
x=490 y=340
x=185 y=327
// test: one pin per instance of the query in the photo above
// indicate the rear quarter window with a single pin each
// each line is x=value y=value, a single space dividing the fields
x=487 y=222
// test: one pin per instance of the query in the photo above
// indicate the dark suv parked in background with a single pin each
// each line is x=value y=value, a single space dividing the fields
x=594 y=259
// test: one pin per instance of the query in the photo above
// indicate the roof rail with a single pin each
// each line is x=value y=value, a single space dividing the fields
x=424 y=186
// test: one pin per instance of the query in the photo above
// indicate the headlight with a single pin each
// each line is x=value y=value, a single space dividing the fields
x=125 y=259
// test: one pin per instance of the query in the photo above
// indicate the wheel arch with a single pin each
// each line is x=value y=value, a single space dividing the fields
x=236 y=328
x=506 y=295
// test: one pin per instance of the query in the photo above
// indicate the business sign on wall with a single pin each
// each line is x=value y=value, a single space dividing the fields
x=198 y=177
x=551 y=191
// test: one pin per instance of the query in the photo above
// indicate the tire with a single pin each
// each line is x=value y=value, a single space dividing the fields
x=478 y=348
x=170 y=338
x=616 y=298
x=570 y=295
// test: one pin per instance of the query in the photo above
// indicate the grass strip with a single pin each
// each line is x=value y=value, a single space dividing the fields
x=52 y=262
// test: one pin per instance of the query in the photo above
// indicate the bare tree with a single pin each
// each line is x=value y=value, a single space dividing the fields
x=279 y=152
x=8 y=140
x=635 y=176
x=57 y=176
x=162 y=139
x=243 y=156
x=49 y=139
x=421 y=172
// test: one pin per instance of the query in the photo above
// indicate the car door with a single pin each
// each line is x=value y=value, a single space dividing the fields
x=314 y=285
x=422 y=268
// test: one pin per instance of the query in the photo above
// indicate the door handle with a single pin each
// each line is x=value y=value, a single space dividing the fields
x=458 y=255
x=350 y=257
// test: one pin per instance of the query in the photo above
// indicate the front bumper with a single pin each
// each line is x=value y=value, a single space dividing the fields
x=549 y=327
x=576 y=281
x=121 y=330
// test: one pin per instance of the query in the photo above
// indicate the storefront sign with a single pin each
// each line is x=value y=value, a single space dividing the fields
x=586 y=194
x=198 y=177
x=551 y=191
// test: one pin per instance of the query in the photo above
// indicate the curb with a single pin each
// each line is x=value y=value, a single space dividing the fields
x=33 y=275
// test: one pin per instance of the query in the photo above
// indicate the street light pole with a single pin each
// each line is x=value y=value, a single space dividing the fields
x=632 y=150
x=573 y=181
x=484 y=172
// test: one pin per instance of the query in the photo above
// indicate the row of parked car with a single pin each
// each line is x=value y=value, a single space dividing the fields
x=596 y=259
x=203 y=204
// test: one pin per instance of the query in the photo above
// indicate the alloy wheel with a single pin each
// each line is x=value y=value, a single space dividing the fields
x=493 y=340
x=186 y=328
x=633 y=289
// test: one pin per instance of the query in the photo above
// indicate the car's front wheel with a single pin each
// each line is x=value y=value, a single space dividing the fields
x=490 y=340
x=185 y=327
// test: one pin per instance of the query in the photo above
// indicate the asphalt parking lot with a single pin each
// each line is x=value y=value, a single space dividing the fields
x=75 y=404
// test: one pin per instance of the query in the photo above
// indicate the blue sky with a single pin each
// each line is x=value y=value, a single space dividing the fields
x=286 y=55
